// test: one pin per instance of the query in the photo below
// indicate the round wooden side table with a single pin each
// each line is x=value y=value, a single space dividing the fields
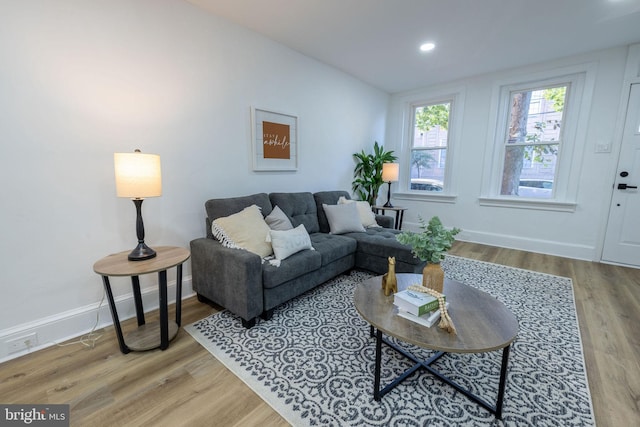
x=146 y=337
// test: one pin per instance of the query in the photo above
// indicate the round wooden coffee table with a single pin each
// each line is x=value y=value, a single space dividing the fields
x=483 y=324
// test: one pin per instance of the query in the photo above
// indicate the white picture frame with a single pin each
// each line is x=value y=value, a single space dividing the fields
x=274 y=141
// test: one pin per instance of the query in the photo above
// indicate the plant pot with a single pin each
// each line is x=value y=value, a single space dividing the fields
x=433 y=277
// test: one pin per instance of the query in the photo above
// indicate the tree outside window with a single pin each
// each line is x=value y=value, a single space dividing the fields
x=429 y=146
x=533 y=141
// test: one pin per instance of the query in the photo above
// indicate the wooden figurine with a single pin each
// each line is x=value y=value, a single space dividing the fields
x=389 y=281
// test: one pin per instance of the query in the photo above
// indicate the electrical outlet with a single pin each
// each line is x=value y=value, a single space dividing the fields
x=24 y=342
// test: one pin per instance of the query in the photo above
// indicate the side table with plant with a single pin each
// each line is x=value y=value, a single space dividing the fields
x=430 y=245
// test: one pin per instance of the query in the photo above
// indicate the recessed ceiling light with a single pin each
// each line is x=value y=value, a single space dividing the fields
x=426 y=47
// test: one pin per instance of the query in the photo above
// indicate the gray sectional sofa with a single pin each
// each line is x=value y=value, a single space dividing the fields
x=245 y=284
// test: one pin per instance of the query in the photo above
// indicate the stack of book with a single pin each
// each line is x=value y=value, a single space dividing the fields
x=417 y=307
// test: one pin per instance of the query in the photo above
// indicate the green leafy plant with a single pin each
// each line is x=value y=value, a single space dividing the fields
x=432 y=243
x=368 y=172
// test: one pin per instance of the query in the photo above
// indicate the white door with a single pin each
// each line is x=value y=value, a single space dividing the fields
x=622 y=241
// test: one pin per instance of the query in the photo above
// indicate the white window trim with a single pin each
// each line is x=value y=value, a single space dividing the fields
x=456 y=96
x=575 y=121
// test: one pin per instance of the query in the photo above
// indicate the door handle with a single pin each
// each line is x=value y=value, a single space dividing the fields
x=625 y=186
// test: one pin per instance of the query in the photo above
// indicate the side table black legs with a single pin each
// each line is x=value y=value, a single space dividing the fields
x=179 y=295
x=163 y=307
x=137 y=297
x=114 y=315
x=399 y=214
x=164 y=310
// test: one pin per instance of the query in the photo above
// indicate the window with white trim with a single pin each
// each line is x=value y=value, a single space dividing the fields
x=537 y=153
x=429 y=146
x=532 y=141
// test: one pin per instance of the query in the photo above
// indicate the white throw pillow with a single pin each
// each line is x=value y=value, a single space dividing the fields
x=367 y=216
x=243 y=230
x=288 y=242
x=278 y=220
x=343 y=218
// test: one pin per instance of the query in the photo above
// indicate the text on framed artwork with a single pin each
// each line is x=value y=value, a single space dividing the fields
x=276 y=140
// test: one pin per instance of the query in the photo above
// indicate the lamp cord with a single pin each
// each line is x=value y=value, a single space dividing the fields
x=89 y=339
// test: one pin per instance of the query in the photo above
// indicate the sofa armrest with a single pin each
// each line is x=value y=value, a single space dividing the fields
x=229 y=277
x=385 y=221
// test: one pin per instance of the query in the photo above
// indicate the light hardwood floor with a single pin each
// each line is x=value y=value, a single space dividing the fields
x=185 y=385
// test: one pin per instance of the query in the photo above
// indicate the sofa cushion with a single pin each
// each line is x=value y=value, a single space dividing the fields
x=244 y=230
x=332 y=247
x=343 y=218
x=278 y=220
x=291 y=268
x=382 y=242
x=299 y=207
x=329 y=198
x=216 y=208
x=288 y=242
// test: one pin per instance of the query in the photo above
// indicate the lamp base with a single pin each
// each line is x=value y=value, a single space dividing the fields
x=141 y=253
x=388 y=204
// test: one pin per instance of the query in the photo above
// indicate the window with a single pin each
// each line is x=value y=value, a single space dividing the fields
x=429 y=146
x=538 y=140
x=532 y=141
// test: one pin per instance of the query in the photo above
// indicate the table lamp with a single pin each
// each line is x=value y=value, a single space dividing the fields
x=390 y=173
x=138 y=177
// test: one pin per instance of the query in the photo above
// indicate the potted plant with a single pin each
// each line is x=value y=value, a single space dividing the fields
x=430 y=245
x=368 y=172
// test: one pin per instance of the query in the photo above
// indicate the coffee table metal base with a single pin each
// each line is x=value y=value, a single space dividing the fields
x=426 y=364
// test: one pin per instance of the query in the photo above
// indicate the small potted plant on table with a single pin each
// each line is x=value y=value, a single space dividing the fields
x=430 y=245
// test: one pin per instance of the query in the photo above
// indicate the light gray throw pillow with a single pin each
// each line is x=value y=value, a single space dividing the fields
x=343 y=218
x=278 y=220
x=288 y=242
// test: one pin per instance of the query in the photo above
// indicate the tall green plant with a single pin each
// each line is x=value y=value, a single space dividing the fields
x=368 y=172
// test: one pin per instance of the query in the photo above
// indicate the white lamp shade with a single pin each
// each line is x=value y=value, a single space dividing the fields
x=138 y=175
x=390 y=172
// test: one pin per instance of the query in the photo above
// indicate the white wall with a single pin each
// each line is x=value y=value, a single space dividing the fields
x=81 y=80
x=575 y=234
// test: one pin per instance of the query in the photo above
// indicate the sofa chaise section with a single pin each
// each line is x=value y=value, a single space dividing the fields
x=375 y=245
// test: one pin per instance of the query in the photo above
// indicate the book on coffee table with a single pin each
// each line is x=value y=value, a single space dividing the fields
x=427 y=320
x=416 y=303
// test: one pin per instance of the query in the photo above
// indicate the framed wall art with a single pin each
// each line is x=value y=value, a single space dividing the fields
x=274 y=140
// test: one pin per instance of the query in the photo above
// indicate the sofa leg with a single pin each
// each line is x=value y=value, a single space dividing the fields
x=202 y=299
x=249 y=323
x=267 y=314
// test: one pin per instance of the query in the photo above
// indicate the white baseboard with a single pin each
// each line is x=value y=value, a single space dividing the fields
x=51 y=330
x=561 y=249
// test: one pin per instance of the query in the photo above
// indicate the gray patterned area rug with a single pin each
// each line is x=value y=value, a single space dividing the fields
x=313 y=362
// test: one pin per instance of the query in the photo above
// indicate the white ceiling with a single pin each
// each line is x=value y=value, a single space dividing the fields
x=377 y=40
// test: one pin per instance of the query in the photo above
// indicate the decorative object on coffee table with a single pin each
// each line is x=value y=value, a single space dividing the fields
x=430 y=245
x=445 y=320
x=389 y=281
